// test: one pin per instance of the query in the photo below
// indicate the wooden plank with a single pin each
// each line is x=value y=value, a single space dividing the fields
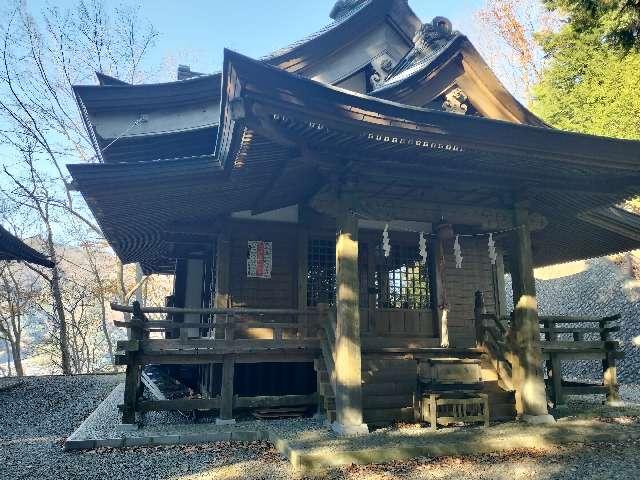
x=210 y=311
x=152 y=387
x=224 y=346
x=579 y=330
x=577 y=319
x=226 y=390
x=584 y=389
x=182 y=404
x=276 y=356
x=275 y=401
x=573 y=346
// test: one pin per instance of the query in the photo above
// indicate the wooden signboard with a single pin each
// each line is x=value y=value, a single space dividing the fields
x=259 y=259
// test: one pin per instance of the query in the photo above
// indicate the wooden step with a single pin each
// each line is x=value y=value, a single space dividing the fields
x=388 y=388
x=389 y=375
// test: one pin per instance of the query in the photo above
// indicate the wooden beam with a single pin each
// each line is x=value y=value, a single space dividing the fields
x=348 y=364
x=183 y=404
x=275 y=401
x=422 y=211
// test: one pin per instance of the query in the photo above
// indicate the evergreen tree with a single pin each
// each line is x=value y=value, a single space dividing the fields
x=617 y=20
x=590 y=83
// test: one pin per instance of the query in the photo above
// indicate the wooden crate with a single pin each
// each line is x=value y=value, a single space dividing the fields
x=455 y=407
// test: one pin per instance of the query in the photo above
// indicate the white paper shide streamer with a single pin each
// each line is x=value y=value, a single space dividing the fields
x=423 y=248
x=493 y=256
x=386 y=245
x=457 y=251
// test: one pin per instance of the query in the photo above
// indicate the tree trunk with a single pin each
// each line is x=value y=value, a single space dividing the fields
x=58 y=305
x=105 y=331
x=9 y=355
x=16 y=354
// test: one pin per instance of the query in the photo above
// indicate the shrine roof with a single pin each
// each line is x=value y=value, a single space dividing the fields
x=350 y=19
x=281 y=137
x=12 y=248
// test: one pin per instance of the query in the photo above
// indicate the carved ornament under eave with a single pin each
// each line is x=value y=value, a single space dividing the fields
x=456 y=102
x=382 y=65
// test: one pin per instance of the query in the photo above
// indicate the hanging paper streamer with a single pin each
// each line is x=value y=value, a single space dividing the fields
x=423 y=248
x=386 y=245
x=457 y=251
x=493 y=256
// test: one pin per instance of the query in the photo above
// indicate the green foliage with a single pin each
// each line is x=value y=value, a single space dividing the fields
x=617 y=20
x=589 y=86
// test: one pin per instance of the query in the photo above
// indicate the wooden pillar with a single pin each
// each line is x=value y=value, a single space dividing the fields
x=348 y=364
x=609 y=369
x=223 y=300
x=223 y=262
x=530 y=386
x=133 y=372
x=303 y=271
x=439 y=292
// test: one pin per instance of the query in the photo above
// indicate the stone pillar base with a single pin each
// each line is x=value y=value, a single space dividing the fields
x=223 y=421
x=614 y=403
x=538 y=419
x=350 y=430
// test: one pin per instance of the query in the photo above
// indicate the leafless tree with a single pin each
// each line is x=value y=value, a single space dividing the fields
x=42 y=54
x=508 y=30
x=18 y=290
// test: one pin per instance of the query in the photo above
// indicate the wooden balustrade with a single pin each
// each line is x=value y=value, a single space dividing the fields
x=577 y=347
x=565 y=338
x=229 y=320
x=289 y=341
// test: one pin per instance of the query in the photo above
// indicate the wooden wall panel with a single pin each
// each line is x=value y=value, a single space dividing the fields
x=476 y=273
x=279 y=291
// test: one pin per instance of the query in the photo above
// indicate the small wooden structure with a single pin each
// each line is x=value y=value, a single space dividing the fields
x=329 y=212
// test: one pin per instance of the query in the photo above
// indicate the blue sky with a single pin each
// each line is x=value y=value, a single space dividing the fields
x=194 y=32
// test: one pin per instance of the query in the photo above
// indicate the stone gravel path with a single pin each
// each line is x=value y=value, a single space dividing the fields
x=35 y=418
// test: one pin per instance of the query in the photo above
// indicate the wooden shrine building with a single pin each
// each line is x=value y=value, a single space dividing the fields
x=339 y=217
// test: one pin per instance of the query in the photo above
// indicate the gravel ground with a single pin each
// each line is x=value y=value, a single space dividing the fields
x=35 y=418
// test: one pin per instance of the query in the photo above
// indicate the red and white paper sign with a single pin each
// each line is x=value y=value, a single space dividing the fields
x=259 y=259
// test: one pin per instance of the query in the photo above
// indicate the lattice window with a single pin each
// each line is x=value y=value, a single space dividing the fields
x=321 y=274
x=401 y=281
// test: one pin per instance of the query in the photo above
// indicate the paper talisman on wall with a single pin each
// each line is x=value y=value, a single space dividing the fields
x=259 y=259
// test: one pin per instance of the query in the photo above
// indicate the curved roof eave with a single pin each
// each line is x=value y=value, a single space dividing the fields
x=238 y=68
x=341 y=32
x=459 y=44
x=133 y=97
x=12 y=248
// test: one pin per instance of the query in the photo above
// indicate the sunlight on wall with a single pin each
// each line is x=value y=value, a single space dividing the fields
x=561 y=270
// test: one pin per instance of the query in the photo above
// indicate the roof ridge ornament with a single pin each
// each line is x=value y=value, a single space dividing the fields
x=431 y=37
x=343 y=7
x=428 y=40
